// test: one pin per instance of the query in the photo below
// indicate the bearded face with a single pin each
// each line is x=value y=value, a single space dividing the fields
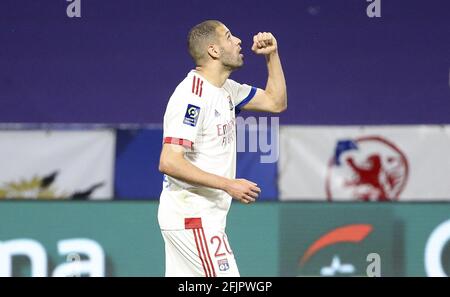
x=230 y=49
x=231 y=57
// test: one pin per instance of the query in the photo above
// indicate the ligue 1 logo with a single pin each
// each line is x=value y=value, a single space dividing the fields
x=366 y=168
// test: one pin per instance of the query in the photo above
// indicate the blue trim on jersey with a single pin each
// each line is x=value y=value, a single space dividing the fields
x=246 y=100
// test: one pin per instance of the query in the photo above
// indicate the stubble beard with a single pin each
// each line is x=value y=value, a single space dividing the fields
x=230 y=61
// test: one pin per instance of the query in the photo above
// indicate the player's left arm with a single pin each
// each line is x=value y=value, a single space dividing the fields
x=274 y=97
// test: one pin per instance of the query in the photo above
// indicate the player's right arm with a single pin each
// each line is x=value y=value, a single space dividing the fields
x=173 y=163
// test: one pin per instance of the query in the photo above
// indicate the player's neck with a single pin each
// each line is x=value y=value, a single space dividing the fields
x=214 y=76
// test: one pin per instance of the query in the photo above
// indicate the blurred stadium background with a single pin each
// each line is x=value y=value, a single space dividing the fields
x=364 y=147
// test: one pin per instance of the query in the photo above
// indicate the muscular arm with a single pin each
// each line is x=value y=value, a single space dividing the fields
x=173 y=163
x=274 y=97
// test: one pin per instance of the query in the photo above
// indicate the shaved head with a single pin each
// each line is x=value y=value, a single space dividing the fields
x=199 y=38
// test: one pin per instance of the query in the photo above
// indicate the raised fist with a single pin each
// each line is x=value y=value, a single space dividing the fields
x=264 y=43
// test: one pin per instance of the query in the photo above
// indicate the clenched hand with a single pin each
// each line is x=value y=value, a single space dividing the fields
x=264 y=43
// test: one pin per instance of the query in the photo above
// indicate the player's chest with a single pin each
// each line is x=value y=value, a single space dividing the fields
x=220 y=117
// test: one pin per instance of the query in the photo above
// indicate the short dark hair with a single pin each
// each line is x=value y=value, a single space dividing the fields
x=199 y=35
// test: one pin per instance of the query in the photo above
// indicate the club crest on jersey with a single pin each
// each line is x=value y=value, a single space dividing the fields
x=231 y=103
x=223 y=264
x=191 y=116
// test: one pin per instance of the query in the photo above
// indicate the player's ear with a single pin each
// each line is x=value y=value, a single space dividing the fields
x=213 y=51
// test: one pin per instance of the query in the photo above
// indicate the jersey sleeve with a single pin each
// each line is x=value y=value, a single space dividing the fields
x=183 y=119
x=241 y=93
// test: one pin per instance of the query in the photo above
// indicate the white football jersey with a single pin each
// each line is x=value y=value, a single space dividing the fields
x=201 y=117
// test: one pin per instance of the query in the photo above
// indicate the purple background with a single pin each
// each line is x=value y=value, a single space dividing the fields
x=121 y=60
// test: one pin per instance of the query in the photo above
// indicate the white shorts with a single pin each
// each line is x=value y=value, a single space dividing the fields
x=198 y=252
